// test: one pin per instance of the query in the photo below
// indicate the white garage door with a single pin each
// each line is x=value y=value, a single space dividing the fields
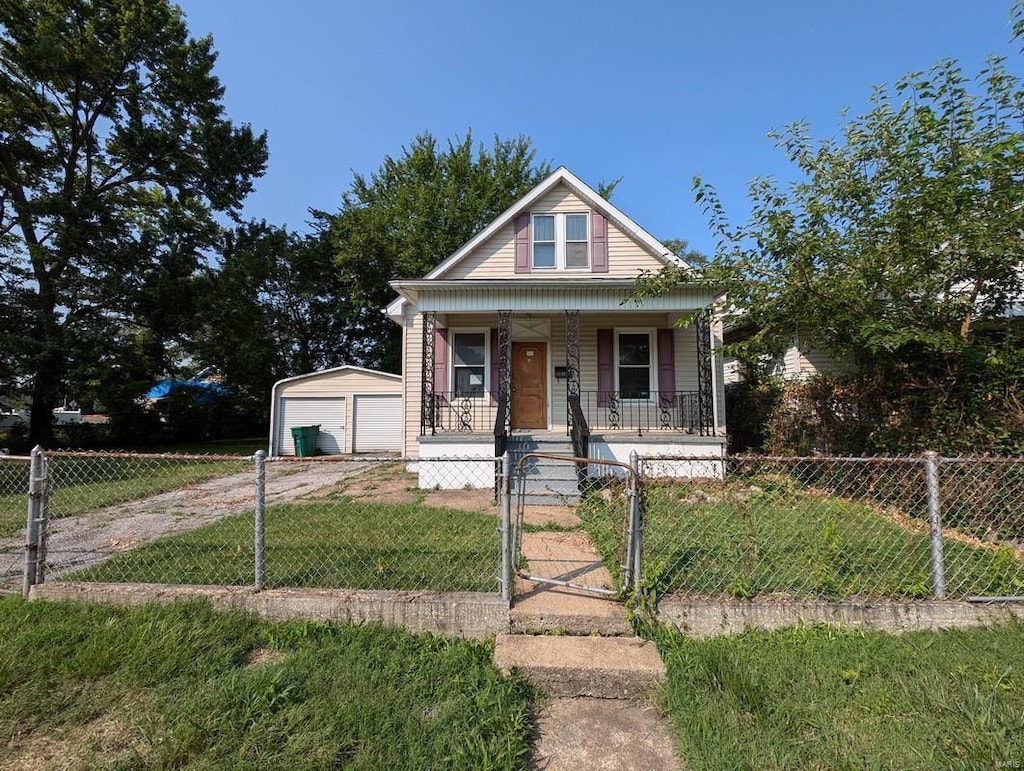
x=328 y=412
x=378 y=423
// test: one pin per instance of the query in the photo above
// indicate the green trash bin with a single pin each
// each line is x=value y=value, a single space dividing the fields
x=305 y=440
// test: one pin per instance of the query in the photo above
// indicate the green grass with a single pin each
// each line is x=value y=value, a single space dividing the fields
x=181 y=686
x=332 y=543
x=821 y=697
x=745 y=540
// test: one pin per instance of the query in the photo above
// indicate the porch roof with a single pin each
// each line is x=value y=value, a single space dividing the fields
x=535 y=294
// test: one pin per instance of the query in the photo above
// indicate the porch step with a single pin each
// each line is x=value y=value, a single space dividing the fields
x=601 y=667
x=546 y=481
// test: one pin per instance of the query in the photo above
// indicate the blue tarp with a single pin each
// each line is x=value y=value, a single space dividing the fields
x=202 y=391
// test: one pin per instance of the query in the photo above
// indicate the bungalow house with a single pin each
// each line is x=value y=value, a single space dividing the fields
x=525 y=338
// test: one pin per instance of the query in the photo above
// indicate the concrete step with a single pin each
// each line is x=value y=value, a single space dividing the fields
x=567 y=612
x=550 y=499
x=551 y=487
x=599 y=667
x=565 y=471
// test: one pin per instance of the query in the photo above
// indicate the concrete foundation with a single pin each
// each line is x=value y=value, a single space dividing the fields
x=459 y=614
x=698 y=618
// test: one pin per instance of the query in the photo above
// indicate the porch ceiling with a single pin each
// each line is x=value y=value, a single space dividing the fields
x=545 y=295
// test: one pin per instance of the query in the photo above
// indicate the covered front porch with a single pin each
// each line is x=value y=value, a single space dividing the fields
x=636 y=373
x=570 y=358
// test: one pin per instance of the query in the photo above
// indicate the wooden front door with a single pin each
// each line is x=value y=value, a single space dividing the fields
x=529 y=385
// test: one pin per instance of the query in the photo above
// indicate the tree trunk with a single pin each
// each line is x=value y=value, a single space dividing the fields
x=48 y=367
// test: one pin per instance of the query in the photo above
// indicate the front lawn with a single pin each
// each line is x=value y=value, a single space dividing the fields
x=823 y=697
x=328 y=542
x=771 y=537
x=180 y=686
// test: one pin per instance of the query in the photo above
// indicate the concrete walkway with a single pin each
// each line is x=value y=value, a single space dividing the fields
x=599 y=680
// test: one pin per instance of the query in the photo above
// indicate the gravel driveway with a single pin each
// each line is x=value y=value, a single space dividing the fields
x=81 y=541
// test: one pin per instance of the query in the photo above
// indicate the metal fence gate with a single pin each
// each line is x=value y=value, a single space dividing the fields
x=629 y=528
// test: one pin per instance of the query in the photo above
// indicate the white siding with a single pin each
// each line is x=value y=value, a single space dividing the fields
x=412 y=379
x=377 y=423
x=326 y=411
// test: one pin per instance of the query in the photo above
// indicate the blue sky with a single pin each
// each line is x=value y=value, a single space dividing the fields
x=653 y=92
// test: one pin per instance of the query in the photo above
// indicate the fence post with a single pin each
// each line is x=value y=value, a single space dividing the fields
x=931 y=460
x=35 y=499
x=635 y=527
x=43 y=530
x=258 y=525
x=505 y=499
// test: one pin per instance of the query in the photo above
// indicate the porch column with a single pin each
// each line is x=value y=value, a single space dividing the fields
x=427 y=375
x=572 y=363
x=705 y=395
x=505 y=369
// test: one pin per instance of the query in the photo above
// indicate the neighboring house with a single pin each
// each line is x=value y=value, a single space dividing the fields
x=525 y=337
x=802 y=359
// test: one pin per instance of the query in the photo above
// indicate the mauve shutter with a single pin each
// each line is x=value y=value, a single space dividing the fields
x=598 y=243
x=605 y=367
x=523 y=243
x=495 y=362
x=666 y=367
x=440 y=361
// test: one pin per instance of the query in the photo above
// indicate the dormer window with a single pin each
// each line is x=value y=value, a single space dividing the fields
x=561 y=241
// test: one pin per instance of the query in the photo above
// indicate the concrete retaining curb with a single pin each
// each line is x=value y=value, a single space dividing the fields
x=460 y=614
x=707 y=619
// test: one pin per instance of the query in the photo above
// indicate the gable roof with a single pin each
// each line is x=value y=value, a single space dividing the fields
x=333 y=370
x=561 y=175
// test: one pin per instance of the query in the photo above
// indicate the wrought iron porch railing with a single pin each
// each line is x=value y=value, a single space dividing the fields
x=678 y=411
x=455 y=412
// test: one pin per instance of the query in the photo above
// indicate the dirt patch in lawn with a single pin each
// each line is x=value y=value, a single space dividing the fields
x=80 y=748
x=263 y=657
x=392 y=483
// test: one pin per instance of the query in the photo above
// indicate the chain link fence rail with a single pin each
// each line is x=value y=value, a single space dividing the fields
x=348 y=523
x=834 y=528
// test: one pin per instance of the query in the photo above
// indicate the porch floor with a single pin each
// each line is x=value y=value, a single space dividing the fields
x=654 y=436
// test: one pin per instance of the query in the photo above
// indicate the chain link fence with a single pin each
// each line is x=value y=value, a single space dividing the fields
x=339 y=523
x=834 y=528
x=742 y=527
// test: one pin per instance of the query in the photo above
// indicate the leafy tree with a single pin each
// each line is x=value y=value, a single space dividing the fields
x=412 y=213
x=275 y=308
x=114 y=156
x=900 y=246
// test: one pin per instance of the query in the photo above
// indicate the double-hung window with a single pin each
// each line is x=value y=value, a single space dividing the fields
x=561 y=241
x=469 y=358
x=635 y=365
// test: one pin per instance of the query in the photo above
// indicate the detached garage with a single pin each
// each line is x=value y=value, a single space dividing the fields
x=358 y=410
